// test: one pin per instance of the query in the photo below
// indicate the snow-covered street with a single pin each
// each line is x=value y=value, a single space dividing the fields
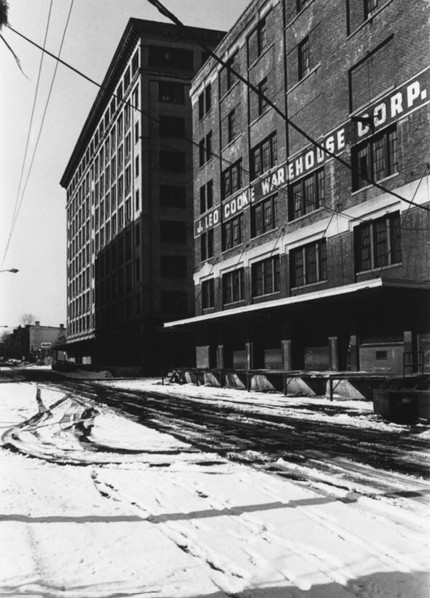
x=107 y=507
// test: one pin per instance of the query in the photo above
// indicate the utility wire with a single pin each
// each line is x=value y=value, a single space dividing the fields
x=42 y=56
x=40 y=131
x=165 y=12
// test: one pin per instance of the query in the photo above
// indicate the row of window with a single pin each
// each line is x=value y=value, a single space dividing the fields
x=377 y=244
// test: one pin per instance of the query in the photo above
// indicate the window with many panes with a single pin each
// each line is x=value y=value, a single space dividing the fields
x=171 y=93
x=208 y=293
x=378 y=243
x=306 y=194
x=233 y=286
x=205 y=101
x=265 y=276
x=232 y=232
x=205 y=149
x=308 y=264
x=231 y=179
x=257 y=41
x=206 y=196
x=264 y=156
x=304 y=58
x=226 y=76
x=375 y=158
x=264 y=215
x=207 y=245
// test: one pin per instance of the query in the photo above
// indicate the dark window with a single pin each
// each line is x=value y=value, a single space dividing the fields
x=173 y=302
x=377 y=243
x=177 y=58
x=231 y=126
x=306 y=195
x=359 y=11
x=126 y=79
x=301 y=4
x=207 y=245
x=226 y=77
x=263 y=88
x=308 y=264
x=172 y=126
x=257 y=41
x=375 y=158
x=265 y=277
x=232 y=286
x=206 y=196
x=231 y=179
x=173 y=266
x=135 y=63
x=172 y=231
x=205 y=149
x=173 y=196
x=304 y=58
x=208 y=293
x=205 y=101
x=232 y=232
x=264 y=156
x=172 y=161
x=373 y=75
x=172 y=93
x=264 y=216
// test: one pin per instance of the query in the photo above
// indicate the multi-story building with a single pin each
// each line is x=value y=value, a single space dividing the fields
x=301 y=261
x=129 y=201
x=33 y=341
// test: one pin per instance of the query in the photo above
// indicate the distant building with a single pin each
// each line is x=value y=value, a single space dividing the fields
x=33 y=342
x=129 y=202
x=301 y=263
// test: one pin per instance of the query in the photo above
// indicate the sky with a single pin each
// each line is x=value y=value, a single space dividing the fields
x=135 y=511
x=37 y=243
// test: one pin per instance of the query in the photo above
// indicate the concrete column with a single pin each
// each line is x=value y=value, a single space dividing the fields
x=354 y=353
x=249 y=351
x=286 y=355
x=220 y=357
x=333 y=353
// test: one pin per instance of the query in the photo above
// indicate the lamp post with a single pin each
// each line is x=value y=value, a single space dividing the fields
x=13 y=270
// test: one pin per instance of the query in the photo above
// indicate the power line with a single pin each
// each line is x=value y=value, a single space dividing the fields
x=165 y=12
x=28 y=132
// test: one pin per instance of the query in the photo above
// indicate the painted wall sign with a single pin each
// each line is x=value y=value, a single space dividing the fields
x=207 y=221
x=394 y=105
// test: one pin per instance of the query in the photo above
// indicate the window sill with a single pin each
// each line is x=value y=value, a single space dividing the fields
x=371 y=185
x=205 y=164
x=229 y=90
x=311 y=72
x=238 y=303
x=267 y=232
x=231 y=248
x=299 y=218
x=299 y=14
x=307 y=286
x=230 y=143
x=269 y=47
x=377 y=269
x=265 y=111
x=369 y=19
x=265 y=297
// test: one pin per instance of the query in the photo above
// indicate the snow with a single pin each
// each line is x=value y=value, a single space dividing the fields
x=124 y=510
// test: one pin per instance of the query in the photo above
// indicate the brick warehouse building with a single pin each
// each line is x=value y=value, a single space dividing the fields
x=129 y=201
x=301 y=263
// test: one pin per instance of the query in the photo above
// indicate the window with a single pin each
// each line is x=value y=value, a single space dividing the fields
x=207 y=245
x=172 y=231
x=135 y=63
x=126 y=79
x=232 y=286
x=136 y=166
x=205 y=149
x=306 y=195
x=208 y=293
x=304 y=58
x=375 y=158
x=257 y=41
x=264 y=216
x=226 y=77
x=205 y=101
x=172 y=161
x=369 y=7
x=177 y=58
x=231 y=126
x=372 y=75
x=359 y=11
x=173 y=196
x=127 y=180
x=171 y=93
x=232 y=232
x=264 y=156
x=263 y=88
x=137 y=200
x=172 y=126
x=231 y=179
x=206 y=196
x=377 y=243
x=308 y=264
x=265 y=277
x=173 y=266
x=301 y=4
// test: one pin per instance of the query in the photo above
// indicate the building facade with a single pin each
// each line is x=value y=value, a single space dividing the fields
x=301 y=261
x=129 y=202
x=36 y=342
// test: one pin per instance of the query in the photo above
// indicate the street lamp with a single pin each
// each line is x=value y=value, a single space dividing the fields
x=13 y=270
